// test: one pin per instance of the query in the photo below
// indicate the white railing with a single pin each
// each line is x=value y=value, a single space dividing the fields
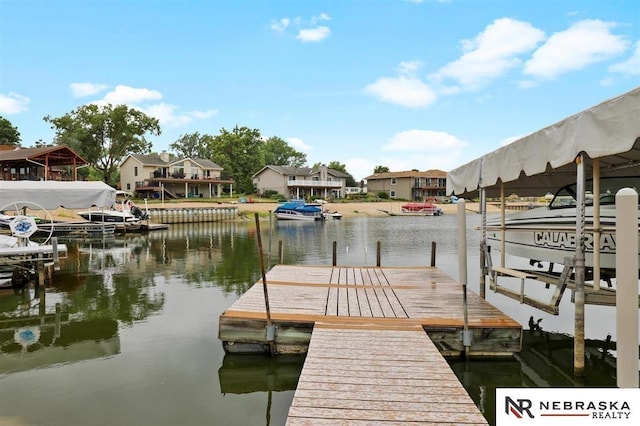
x=315 y=183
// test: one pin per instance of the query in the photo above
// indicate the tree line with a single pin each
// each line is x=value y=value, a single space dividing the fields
x=104 y=135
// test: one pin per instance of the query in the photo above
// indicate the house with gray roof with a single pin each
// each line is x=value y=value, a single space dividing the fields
x=155 y=176
x=301 y=182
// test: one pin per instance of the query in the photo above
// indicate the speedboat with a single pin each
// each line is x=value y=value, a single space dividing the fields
x=421 y=209
x=548 y=234
x=123 y=212
x=299 y=210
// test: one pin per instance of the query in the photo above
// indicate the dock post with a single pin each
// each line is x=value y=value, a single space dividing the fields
x=280 y=252
x=334 y=257
x=466 y=335
x=378 y=254
x=433 y=254
x=627 y=288
x=270 y=330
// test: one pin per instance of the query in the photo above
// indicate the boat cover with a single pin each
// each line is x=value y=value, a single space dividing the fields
x=53 y=194
x=544 y=160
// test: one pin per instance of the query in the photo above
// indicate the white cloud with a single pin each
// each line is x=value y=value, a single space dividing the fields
x=491 y=54
x=409 y=67
x=80 y=90
x=314 y=34
x=13 y=103
x=582 y=44
x=203 y=114
x=423 y=140
x=280 y=25
x=127 y=95
x=168 y=115
x=322 y=17
x=299 y=145
x=406 y=91
x=629 y=67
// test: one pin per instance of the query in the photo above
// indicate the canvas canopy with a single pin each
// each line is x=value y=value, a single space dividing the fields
x=544 y=161
x=53 y=194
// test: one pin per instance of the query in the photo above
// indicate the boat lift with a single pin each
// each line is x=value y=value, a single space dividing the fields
x=604 y=140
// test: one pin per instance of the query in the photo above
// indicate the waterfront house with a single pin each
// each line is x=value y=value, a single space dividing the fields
x=409 y=185
x=301 y=182
x=42 y=163
x=151 y=175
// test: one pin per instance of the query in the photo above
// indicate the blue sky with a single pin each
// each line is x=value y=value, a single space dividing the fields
x=407 y=84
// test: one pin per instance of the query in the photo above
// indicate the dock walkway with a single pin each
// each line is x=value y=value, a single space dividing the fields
x=374 y=338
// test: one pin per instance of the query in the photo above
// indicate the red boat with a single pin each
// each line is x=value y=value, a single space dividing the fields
x=427 y=209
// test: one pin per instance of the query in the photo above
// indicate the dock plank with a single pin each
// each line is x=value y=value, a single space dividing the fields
x=331 y=388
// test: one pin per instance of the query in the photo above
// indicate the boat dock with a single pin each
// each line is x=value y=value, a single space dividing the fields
x=375 y=339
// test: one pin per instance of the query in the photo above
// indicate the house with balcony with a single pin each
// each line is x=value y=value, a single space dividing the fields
x=156 y=176
x=409 y=185
x=301 y=182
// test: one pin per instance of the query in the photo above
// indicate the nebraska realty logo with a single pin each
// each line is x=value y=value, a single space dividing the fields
x=549 y=406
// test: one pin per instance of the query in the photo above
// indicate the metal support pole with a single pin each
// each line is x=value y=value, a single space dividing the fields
x=378 y=254
x=483 y=243
x=578 y=342
x=462 y=273
x=270 y=330
x=627 y=287
x=334 y=257
x=596 y=224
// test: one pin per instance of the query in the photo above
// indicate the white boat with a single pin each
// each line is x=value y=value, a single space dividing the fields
x=548 y=234
x=299 y=210
x=124 y=211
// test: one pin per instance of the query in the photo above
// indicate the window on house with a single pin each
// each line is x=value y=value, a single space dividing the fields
x=135 y=171
x=392 y=194
x=315 y=178
x=128 y=187
x=292 y=178
x=394 y=181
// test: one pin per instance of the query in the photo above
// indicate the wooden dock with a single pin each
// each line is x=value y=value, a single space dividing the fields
x=426 y=297
x=375 y=339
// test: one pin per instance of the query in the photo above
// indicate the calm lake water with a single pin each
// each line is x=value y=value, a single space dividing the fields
x=135 y=341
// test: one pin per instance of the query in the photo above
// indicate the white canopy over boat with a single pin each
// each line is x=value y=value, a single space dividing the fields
x=544 y=160
x=53 y=194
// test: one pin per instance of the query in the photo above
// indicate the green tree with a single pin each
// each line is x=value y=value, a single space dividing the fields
x=9 y=135
x=381 y=169
x=240 y=153
x=277 y=152
x=193 y=145
x=104 y=135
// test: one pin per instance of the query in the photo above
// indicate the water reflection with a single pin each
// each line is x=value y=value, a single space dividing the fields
x=137 y=324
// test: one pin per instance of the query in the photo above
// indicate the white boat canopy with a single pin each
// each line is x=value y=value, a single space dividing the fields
x=544 y=160
x=53 y=194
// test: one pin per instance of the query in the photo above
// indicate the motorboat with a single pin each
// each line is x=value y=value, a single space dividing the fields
x=124 y=211
x=421 y=209
x=299 y=210
x=332 y=215
x=548 y=234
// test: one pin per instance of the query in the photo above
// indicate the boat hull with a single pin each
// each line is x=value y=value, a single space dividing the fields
x=548 y=235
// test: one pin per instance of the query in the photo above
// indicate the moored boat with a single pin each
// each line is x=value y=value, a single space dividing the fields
x=421 y=209
x=548 y=234
x=298 y=210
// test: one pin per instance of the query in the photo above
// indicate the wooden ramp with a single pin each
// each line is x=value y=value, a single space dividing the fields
x=359 y=375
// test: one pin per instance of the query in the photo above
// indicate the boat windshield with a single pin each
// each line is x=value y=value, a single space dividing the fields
x=566 y=196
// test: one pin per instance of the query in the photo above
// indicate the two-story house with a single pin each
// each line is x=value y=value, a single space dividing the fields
x=150 y=175
x=409 y=185
x=301 y=182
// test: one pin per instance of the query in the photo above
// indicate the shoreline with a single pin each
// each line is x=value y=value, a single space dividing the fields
x=347 y=209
